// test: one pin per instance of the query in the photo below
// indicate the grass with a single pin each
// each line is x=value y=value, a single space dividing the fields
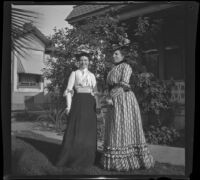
x=25 y=116
x=37 y=157
x=49 y=126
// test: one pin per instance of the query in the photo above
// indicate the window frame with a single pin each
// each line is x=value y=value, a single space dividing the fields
x=31 y=85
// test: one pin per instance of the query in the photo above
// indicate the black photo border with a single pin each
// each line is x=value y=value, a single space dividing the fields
x=191 y=16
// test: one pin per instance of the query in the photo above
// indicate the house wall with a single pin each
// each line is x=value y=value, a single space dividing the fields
x=169 y=55
x=23 y=96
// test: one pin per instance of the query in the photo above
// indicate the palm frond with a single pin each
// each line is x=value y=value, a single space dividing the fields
x=21 y=45
x=24 y=11
x=17 y=23
x=19 y=18
x=17 y=52
x=22 y=18
x=24 y=15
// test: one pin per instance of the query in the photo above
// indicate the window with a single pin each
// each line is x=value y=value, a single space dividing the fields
x=173 y=64
x=29 y=80
x=152 y=63
x=174 y=54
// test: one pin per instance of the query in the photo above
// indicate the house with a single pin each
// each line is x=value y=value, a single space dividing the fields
x=167 y=58
x=27 y=82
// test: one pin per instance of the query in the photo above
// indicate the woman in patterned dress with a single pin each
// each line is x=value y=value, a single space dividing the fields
x=125 y=147
x=80 y=142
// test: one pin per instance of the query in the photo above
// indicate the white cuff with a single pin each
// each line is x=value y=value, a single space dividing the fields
x=67 y=91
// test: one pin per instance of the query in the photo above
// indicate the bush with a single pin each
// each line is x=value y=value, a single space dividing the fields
x=101 y=117
x=25 y=116
x=153 y=95
x=162 y=135
x=100 y=129
x=55 y=117
x=180 y=142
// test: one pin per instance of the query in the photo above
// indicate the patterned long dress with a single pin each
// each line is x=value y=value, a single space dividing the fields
x=125 y=147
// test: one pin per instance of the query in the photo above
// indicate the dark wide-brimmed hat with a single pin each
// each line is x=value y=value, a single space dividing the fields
x=82 y=53
x=83 y=50
x=119 y=46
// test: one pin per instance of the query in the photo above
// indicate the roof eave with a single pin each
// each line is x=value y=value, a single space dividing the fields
x=147 y=9
x=93 y=13
x=41 y=36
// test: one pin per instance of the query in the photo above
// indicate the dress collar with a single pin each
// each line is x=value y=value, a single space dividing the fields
x=116 y=64
x=84 y=70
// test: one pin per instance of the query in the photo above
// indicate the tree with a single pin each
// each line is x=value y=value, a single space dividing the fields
x=99 y=34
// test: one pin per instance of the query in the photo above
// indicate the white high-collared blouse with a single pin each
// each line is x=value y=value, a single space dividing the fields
x=79 y=78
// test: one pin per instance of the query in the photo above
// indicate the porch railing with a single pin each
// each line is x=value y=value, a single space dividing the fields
x=178 y=92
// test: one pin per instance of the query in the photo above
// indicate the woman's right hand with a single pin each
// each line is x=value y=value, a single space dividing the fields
x=67 y=110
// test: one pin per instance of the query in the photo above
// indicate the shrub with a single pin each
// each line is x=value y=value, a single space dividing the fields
x=100 y=128
x=57 y=117
x=161 y=135
x=25 y=116
x=153 y=95
x=180 y=142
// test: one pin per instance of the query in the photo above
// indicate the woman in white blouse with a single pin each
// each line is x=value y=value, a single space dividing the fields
x=80 y=143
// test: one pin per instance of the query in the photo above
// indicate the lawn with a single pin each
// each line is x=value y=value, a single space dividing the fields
x=36 y=157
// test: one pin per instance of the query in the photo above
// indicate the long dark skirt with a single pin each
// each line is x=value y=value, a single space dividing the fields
x=80 y=140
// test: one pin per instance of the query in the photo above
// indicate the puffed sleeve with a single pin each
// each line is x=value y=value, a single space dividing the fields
x=126 y=74
x=94 y=84
x=95 y=91
x=69 y=91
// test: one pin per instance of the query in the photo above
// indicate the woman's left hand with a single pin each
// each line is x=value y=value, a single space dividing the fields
x=109 y=101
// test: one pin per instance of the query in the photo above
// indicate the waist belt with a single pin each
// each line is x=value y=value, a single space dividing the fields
x=125 y=88
x=83 y=90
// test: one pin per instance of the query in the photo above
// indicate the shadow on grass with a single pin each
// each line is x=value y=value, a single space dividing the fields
x=52 y=150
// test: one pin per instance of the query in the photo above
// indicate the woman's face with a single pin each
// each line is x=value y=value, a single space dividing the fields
x=84 y=62
x=117 y=56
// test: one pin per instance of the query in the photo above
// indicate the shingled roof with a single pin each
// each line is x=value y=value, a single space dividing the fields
x=125 y=10
x=84 y=9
